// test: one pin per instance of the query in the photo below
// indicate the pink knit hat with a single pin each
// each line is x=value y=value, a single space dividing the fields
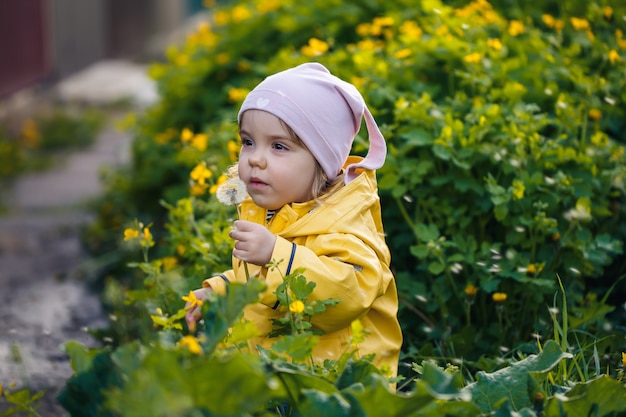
x=324 y=111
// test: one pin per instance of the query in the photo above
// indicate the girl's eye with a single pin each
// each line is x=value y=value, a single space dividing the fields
x=246 y=142
x=280 y=147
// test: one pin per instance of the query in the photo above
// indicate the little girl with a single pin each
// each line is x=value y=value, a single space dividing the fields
x=314 y=207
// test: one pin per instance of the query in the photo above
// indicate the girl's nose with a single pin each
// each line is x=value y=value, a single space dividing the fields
x=257 y=159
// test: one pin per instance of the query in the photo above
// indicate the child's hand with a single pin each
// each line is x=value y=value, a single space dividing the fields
x=255 y=243
x=194 y=314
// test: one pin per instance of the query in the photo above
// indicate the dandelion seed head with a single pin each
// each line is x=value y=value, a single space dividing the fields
x=231 y=192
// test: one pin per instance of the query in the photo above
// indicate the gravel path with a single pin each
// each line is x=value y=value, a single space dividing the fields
x=43 y=302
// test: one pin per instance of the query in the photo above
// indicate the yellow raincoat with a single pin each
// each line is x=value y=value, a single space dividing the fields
x=341 y=245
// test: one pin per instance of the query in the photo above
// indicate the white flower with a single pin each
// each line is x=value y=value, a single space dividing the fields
x=231 y=192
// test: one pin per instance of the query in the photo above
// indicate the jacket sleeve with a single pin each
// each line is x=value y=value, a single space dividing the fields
x=342 y=267
x=218 y=282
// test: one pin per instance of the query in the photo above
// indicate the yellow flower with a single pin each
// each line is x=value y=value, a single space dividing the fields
x=233 y=150
x=191 y=343
x=595 y=114
x=559 y=25
x=201 y=173
x=363 y=29
x=516 y=28
x=169 y=263
x=267 y=6
x=607 y=12
x=624 y=359
x=296 y=306
x=204 y=27
x=518 y=189
x=471 y=290
x=367 y=45
x=494 y=43
x=164 y=137
x=531 y=269
x=358 y=332
x=442 y=30
x=548 y=20
x=192 y=300
x=614 y=56
x=221 y=18
x=236 y=95
x=146 y=234
x=315 y=47
x=590 y=35
x=383 y=21
x=410 y=29
x=30 y=133
x=222 y=58
x=200 y=141
x=130 y=234
x=220 y=181
x=473 y=58
x=402 y=53
x=241 y=13
x=182 y=60
x=197 y=190
x=499 y=297
x=186 y=135
x=579 y=24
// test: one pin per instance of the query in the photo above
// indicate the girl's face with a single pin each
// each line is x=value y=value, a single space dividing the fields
x=276 y=169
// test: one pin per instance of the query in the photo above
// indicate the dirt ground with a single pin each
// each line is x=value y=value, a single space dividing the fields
x=44 y=302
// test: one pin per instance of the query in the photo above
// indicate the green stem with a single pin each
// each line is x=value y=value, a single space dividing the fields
x=405 y=214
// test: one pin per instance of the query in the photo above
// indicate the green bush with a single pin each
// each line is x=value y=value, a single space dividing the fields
x=505 y=170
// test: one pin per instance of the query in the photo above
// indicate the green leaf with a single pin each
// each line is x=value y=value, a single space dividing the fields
x=81 y=357
x=418 y=137
x=297 y=381
x=443 y=385
x=355 y=372
x=298 y=346
x=602 y=396
x=512 y=383
x=236 y=385
x=436 y=268
x=426 y=232
x=375 y=396
x=223 y=311
x=316 y=403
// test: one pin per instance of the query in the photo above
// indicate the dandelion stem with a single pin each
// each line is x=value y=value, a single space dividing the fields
x=245 y=264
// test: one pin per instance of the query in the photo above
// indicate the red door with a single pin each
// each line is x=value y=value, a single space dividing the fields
x=23 y=51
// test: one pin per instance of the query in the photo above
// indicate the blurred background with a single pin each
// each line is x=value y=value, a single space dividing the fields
x=69 y=70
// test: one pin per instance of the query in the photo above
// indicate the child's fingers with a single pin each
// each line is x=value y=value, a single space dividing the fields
x=192 y=316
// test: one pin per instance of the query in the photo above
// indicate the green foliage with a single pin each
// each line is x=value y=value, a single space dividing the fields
x=28 y=144
x=503 y=186
x=209 y=375
x=21 y=401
